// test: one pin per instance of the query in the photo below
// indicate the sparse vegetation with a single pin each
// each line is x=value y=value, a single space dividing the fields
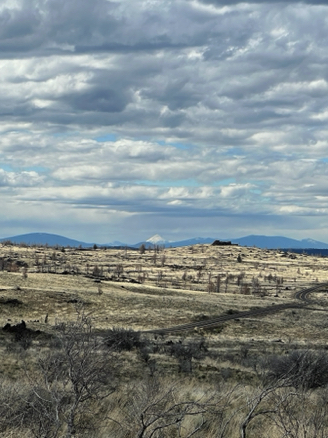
x=76 y=338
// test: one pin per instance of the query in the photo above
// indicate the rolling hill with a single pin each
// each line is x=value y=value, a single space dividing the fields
x=269 y=242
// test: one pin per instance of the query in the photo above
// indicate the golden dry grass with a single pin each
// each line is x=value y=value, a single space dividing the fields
x=156 y=290
x=161 y=289
x=170 y=287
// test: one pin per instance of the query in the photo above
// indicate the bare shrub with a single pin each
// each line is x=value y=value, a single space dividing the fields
x=155 y=408
x=301 y=415
x=302 y=369
x=186 y=352
x=61 y=387
x=120 y=339
x=97 y=271
x=11 y=406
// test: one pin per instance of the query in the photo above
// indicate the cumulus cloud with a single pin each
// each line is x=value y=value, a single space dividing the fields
x=20 y=179
x=202 y=117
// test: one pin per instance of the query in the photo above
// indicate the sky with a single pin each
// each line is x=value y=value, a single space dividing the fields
x=123 y=119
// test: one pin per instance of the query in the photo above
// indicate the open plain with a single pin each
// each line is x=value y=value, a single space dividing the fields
x=152 y=289
x=160 y=287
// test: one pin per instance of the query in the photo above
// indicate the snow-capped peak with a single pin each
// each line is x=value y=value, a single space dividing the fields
x=156 y=239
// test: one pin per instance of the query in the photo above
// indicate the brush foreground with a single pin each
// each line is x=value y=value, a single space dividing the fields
x=81 y=363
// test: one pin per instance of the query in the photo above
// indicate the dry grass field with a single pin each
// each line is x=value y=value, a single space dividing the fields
x=159 y=288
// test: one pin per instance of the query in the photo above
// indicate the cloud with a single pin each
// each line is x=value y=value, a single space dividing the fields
x=220 y=3
x=208 y=113
x=20 y=179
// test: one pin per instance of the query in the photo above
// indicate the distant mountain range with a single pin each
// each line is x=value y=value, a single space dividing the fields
x=45 y=239
x=269 y=242
x=275 y=242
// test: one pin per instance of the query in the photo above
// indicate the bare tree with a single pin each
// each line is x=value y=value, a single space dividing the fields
x=240 y=278
x=69 y=382
x=218 y=283
x=163 y=259
x=199 y=273
x=119 y=270
x=226 y=282
x=159 y=277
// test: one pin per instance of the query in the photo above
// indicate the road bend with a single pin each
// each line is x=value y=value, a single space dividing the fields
x=302 y=295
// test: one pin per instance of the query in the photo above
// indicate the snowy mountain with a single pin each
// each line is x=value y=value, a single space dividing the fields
x=269 y=242
x=157 y=240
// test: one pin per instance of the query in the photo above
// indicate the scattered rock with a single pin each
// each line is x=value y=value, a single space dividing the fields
x=12 y=302
x=20 y=330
